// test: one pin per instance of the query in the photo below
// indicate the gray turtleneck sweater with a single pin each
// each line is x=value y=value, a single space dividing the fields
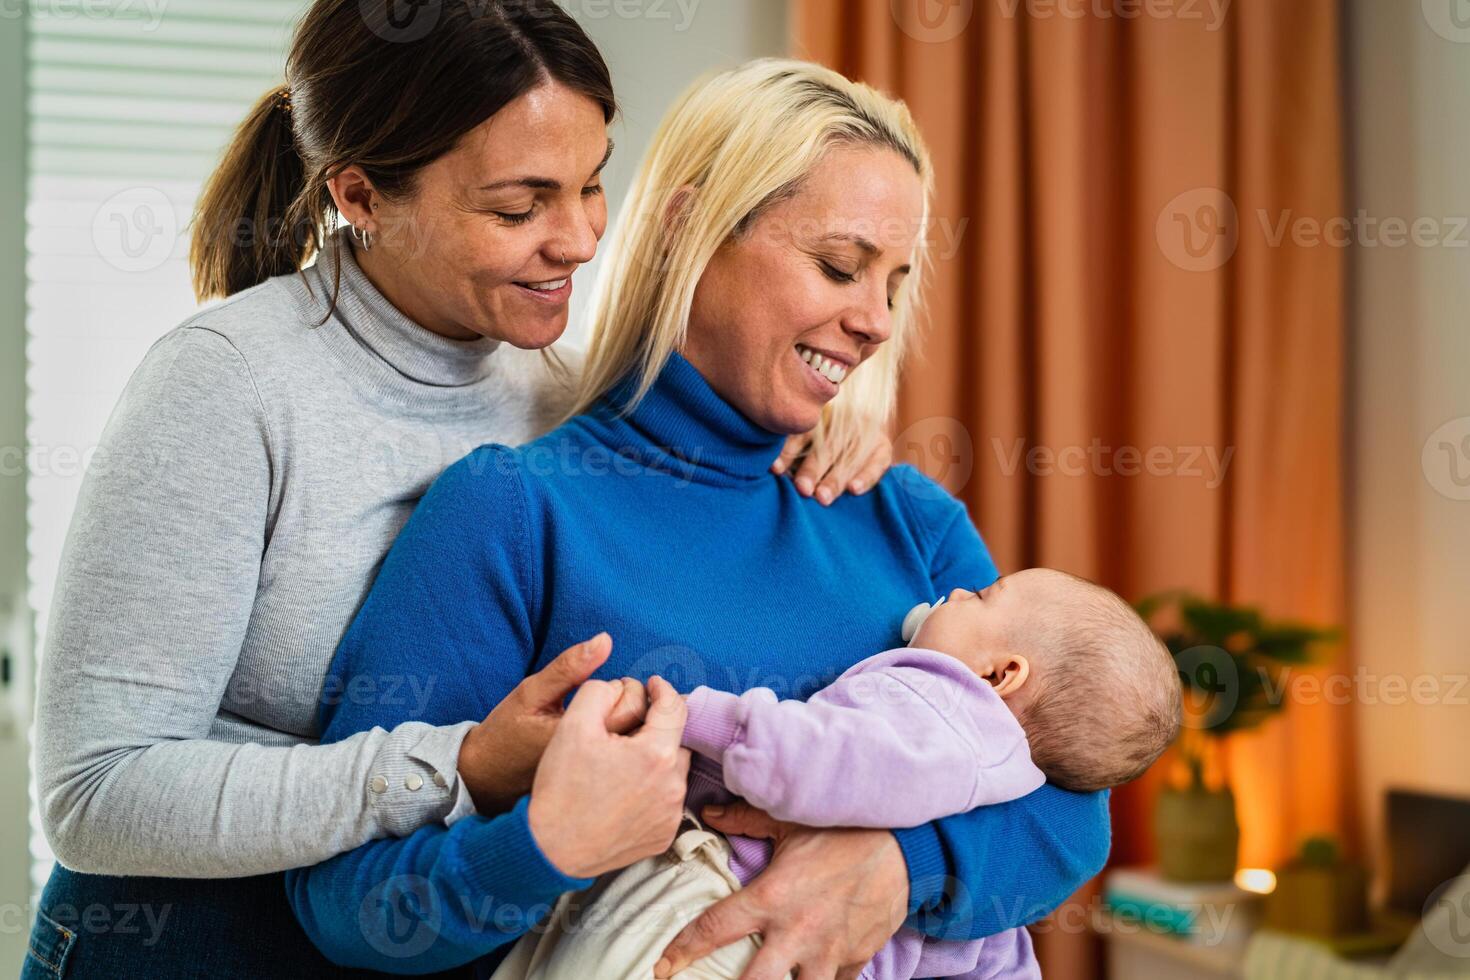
x=248 y=484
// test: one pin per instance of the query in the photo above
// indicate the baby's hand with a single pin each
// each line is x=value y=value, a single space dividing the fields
x=631 y=708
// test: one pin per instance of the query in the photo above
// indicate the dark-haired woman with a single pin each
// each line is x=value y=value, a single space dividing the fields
x=260 y=463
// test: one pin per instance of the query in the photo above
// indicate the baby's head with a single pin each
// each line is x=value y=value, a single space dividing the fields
x=1096 y=692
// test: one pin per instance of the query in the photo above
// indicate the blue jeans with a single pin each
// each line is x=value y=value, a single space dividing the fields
x=95 y=926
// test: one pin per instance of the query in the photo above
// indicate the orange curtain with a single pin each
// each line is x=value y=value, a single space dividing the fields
x=1133 y=368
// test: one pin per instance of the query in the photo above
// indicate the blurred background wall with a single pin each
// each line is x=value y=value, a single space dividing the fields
x=1409 y=410
x=14 y=625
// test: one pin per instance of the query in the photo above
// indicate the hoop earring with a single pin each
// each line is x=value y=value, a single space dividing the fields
x=364 y=236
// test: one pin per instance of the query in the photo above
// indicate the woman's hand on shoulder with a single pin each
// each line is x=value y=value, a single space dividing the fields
x=830 y=469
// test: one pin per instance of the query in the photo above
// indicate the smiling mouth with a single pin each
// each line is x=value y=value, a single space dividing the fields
x=549 y=286
x=825 y=367
x=548 y=290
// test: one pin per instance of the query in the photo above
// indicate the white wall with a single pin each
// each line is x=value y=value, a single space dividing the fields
x=653 y=55
x=1409 y=106
x=14 y=863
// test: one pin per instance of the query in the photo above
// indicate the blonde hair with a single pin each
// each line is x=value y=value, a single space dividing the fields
x=742 y=140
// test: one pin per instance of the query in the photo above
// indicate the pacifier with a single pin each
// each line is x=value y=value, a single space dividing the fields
x=915 y=618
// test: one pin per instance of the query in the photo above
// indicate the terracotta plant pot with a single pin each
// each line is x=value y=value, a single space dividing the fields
x=1197 y=834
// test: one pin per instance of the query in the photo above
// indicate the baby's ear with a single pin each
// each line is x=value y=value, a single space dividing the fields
x=1010 y=675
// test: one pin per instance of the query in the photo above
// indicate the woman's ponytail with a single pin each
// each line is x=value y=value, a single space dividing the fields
x=253 y=220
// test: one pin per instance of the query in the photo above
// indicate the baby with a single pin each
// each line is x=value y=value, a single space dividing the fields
x=1041 y=676
x=1096 y=693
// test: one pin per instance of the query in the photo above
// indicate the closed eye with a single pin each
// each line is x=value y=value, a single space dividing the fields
x=521 y=217
x=516 y=217
x=836 y=274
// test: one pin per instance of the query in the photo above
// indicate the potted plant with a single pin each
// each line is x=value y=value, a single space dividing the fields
x=1233 y=664
x=1318 y=893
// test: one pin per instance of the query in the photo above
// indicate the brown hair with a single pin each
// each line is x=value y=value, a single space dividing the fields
x=366 y=85
x=1110 y=702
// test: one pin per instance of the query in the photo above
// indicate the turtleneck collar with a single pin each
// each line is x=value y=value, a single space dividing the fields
x=682 y=416
x=381 y=329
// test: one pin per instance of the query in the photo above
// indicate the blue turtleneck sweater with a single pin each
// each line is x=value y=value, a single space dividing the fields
x=665 y=528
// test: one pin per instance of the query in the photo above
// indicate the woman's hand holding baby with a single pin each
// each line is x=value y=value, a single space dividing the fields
x=603 y=800
x=498 y=757
x=829 y=900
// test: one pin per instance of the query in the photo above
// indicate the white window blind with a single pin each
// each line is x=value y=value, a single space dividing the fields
x=130 y=103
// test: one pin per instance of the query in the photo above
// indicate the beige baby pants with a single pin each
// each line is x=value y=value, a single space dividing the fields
x=617 y=928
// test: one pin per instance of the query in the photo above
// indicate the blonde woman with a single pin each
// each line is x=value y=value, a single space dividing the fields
x=765 y=279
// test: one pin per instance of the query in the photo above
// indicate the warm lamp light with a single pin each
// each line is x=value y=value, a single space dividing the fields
x=1258 y=880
